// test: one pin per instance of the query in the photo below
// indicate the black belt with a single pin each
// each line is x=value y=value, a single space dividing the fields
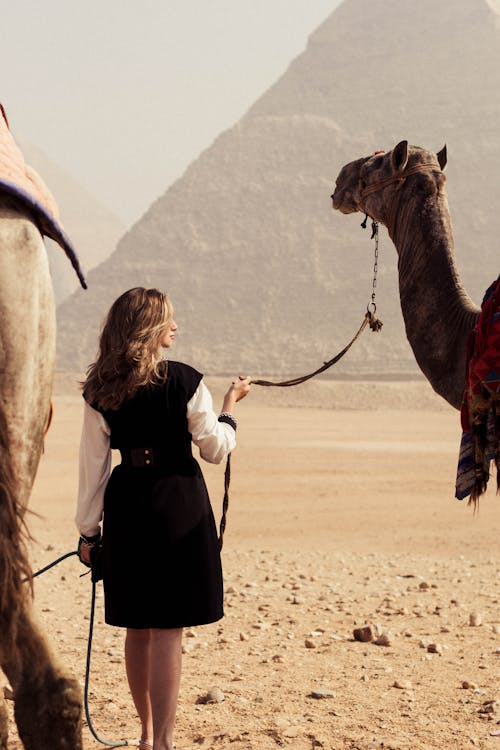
x=144 y=458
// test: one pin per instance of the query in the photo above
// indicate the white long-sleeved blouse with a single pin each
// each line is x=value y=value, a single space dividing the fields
x=214 y=439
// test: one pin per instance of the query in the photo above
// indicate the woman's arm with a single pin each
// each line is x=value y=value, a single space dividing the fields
x=215 y=438
x=95 y=464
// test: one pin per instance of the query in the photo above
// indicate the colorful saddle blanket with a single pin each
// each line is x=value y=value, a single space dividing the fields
x=22 y=182
x=480 y=413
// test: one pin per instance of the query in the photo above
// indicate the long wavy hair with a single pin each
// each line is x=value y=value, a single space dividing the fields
x=129 y=354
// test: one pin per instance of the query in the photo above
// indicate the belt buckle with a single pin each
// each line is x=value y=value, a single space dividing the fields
x=142 y=457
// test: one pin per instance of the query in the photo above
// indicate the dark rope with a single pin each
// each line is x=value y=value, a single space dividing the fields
x=50 y=565
x=225 y=502
x=118 y=743
x=374 y=324
x=369 y=319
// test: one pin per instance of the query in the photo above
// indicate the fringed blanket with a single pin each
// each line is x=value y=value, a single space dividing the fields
x=22 y=182
x=480 y=413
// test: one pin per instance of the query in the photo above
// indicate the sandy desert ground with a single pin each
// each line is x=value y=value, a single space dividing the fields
x=342 y=514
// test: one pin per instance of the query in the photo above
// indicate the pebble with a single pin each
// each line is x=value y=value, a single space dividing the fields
x=309 y=643
x=475 y=619
x=489 y=707
x=496 y=629
x=364 y=635
x=468 y=685
x=214 y=695
x=435 y=648
x=244 y=636
x=320 y=694
x=402 y=684
x=291 y=732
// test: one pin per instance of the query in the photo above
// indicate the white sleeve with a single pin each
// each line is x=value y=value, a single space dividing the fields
x=214 y=439
x=95 y=464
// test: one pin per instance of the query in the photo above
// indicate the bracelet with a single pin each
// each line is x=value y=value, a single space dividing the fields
x=228 y=418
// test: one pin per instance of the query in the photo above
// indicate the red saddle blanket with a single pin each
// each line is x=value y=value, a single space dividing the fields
x=480 y=414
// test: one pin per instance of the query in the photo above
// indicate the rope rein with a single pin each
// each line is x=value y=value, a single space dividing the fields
x=118 y=743
x=369 y=319
x=400 y=179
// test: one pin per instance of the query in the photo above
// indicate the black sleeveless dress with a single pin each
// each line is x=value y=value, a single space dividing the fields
x=160 y=554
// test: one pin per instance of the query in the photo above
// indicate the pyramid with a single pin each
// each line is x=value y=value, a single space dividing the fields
x=92 y=227
x=264 y=276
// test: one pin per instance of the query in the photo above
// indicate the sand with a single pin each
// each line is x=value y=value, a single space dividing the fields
x=342 y=513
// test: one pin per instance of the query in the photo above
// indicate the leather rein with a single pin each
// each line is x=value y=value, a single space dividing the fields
x=399 y=178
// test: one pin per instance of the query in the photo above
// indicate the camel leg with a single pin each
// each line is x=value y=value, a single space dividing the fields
x=47 y=703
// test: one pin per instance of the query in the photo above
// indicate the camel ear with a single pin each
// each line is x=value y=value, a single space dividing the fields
x=442 y=157
x=399 y=157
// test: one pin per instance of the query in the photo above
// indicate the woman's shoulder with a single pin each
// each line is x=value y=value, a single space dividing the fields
x=183 y=376
x=91 y=404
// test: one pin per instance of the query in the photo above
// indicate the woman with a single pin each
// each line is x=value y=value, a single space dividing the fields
x=160 y=556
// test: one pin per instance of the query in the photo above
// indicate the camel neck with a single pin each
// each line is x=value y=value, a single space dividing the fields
x=437 y=311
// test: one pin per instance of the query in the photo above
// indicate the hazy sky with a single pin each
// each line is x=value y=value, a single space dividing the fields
x=124 y=94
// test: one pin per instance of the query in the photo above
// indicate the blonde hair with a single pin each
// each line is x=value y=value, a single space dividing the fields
x=129 y=354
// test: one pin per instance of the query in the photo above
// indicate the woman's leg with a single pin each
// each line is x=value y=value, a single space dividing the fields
x=137 y=663
x=164 y=682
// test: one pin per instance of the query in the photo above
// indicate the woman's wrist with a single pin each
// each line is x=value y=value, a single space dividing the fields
x=91 y=540
x=229 y=419
x=228 y=403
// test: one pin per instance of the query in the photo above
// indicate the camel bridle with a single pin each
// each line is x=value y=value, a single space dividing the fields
x=398 y=177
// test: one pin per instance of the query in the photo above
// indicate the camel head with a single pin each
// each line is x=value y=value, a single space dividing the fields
x=370 y=184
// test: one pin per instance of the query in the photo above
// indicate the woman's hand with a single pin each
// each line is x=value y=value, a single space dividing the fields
x=240 y=387
x=85 y=546
x=236 y=391
x=84 y=550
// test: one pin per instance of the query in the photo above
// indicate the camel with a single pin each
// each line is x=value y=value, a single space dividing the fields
x=47 y=703
x=404 y=190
